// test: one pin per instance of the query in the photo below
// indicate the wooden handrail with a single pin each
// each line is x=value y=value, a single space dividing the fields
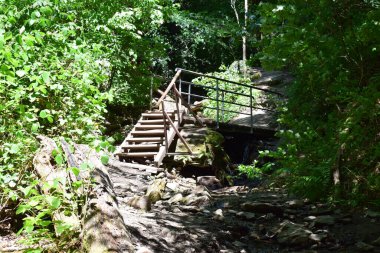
x=172 y=83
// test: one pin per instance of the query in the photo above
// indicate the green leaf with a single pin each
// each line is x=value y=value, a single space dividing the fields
x=104 y=159
x=35 y=127
x=75 y=170
x=15 y=148
x=46 y=77
x=23 y=209
x=54 y=202
x=50 y=119
x=20 y=73
x=59 y=159
x=43 y=114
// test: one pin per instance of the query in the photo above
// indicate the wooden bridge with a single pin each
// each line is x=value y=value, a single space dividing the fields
x=150 y=139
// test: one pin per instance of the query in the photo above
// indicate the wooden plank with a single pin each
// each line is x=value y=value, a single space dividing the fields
x=141 y=146
x=179 y=135
x=162 y=152
x=148 y=133
x=172 y=83
x=145 y=139
x=137 y=154
x=152 y=121
x=149 y=126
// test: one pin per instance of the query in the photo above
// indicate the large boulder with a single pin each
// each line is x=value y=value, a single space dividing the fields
x=207 y=145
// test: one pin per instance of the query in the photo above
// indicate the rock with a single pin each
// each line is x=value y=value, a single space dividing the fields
x=293 y=234
x=325 y=220
x=218 y=214
x=310 y=218
x=246 y=216
x=207 y=142
x=211 y=182
x=144 y=250
x=201 y=190
x=176 y=198
x=261 y=208
x=156 y=189
x=376 y=242
x=317 y=237
x=297 y=203
x=198 y=201
x=140 y=202
x=362 y=246
x=172 y=186
x=373 y=214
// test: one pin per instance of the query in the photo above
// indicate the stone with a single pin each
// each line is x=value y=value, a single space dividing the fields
x=261 y=208
x=362 y=246
x=373 y=214
x=325 y=220
x=296 y=203
x=293 y=234
x=211 y=182
x=246 y=216
x=176 y=198
x=218 y=214
x=198 y=201
x=172 y=186
x=317 y=237
x=140 y=202
x=156 y=189
x=207 y=142
x=376 y=242
x=143 y=250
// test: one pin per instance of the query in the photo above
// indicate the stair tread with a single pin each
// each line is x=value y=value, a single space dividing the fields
x=141 y=146
x=145 y=139
x=152 y=121
x=157 y=127
x=137 y=154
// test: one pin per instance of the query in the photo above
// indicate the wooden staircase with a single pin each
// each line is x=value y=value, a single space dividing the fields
x=151 y=137
x=148 y=141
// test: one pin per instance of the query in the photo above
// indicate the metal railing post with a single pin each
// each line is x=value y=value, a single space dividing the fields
x=151 y=94
x=180 y=93
x=189 y=95
x=222 y=106
x=217 y=104
x=251 y=108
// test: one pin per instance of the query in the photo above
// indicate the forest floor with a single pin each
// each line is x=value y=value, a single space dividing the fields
x=199 y=215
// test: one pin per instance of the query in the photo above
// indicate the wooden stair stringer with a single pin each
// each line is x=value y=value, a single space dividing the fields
x=170 y=137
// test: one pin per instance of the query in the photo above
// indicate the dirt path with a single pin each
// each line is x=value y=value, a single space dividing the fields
x=192 y=218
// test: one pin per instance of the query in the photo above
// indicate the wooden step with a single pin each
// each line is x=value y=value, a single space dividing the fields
x=145 y=139
x=152 y=122
x=141 y=146
x=137 y=154
x=148 y=133
x=150 y=126
x=156 y=115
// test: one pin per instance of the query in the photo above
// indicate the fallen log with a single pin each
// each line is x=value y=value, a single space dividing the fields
x=102 y=226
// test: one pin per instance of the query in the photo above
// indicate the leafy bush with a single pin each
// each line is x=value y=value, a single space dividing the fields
x=332 y=117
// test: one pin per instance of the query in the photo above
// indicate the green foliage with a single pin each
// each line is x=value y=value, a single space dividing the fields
x=232 y=74
x=332 y=117
x=251 y=171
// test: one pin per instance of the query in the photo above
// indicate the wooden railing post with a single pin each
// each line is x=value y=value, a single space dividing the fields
x=165 y=127
x=189 y=95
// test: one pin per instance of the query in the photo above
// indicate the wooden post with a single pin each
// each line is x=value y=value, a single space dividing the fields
x=178 y=133
x=165 y=127
x=189 y=95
